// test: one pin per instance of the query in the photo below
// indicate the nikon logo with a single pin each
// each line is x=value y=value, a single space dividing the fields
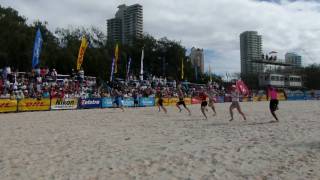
x=65 y=102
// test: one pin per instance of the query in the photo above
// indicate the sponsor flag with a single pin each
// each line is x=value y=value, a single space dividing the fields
x=82 y=50
x=141 y=70
x=242 y=87
x=128 y=68
x=37 y=49
x=112 y=69
x=182 y=70
x=116 y=56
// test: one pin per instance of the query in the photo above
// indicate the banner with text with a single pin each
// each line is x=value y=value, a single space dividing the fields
x=107 y=103
x=67 y=103
x=150 y=101
x=34 y=105
x=90 y=103
x=8 y=105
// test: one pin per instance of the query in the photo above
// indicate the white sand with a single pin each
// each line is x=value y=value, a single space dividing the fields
x=144 y=144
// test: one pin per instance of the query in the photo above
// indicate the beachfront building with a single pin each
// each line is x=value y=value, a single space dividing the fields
x=294 y=59
x=250 y=51
x=126 y=25
x=197 y=59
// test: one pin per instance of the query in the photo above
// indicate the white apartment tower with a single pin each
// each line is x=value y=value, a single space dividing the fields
x=126 y=25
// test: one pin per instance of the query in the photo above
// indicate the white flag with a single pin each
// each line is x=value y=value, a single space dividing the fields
x=141 y=71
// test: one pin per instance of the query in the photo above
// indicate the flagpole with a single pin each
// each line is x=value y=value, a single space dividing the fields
x=141 y=65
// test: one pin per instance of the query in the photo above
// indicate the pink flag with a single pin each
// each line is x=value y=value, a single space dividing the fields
x=242 y=87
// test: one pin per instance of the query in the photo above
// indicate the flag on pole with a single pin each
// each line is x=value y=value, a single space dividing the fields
x=242 y=87
x=116 y=56
x=141 y=70
x=210 y=74
x=128 y=68
x=82 y=50
x=182 y=70
x=37 y=49
x=112 y=69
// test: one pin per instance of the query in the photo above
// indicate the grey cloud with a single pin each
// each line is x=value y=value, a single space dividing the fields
x=210 y=24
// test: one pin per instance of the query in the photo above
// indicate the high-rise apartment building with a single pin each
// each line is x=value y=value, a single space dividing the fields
x=293 y=59
x=250 y=52
x=197 y=59
x=126 y=25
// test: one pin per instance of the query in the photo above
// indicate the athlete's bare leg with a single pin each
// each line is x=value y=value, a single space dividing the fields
x=203 y=111
x=242 y=114
x=274 y=115
x=231 y=113
x=178 y=107
x=164 y=109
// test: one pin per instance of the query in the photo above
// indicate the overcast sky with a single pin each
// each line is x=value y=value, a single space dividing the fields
x=214 y=25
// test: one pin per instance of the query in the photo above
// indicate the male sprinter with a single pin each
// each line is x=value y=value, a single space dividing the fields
x=118 y=99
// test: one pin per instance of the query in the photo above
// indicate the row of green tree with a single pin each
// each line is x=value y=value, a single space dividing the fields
x=163 y=57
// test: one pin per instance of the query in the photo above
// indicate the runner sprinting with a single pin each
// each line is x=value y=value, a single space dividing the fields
x=160 y=102
x=212 y=93
x=181 y=101
x=203 y=97
x=235 y=102
x=274 y=102
x=118 y=99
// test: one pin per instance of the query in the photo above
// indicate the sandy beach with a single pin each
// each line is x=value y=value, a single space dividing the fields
x=144 y=144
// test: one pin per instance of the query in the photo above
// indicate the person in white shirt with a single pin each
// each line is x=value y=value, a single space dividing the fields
x=235 y=102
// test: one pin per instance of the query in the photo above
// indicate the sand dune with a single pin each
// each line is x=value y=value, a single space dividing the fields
x=144 y=144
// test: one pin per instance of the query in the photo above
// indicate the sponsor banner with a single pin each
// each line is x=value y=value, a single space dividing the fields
x=66 y=103
x=90 y=103
x=187 y=101
x=106 y=102
x=219 y=99
x=34 y=105
x=8 y=105
x=227 y=99
x=173 y=101
x=195 y=100
x=166 y=101
x=128 y=102
x=295 y=95
x=295 y=98
x=281 y=96
x=260 y=98
x=147 y=101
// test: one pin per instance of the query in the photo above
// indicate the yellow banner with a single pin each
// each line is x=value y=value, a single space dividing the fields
x=260 y=98
x=8 y=105
x=182 y=70
x=281 y=96
x=82 y=50
x=34 y=105
x=173 y=101
x=188 y=101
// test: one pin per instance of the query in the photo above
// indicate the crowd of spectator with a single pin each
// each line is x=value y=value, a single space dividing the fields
x=47 y=83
